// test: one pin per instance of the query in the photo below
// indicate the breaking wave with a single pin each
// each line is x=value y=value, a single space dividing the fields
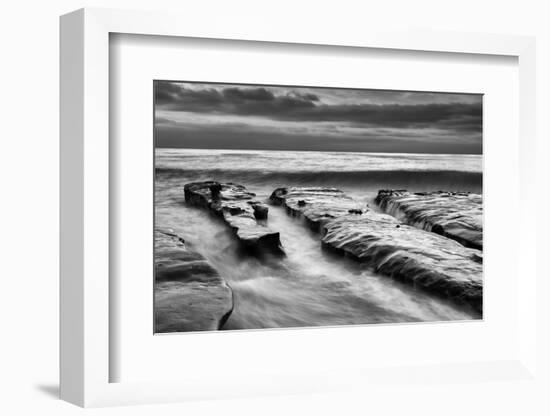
x=410 y=179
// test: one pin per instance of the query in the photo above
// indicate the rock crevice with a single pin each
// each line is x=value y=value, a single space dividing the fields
x=424 y=259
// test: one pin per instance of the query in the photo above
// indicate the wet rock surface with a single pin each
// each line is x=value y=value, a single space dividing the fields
x=428 y=261
x=190 y=295
x=456 y=215
x=316 y=205
x=246 y=216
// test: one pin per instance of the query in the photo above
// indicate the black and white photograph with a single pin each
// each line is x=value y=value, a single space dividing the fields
x=245 y=208
x=297 y=206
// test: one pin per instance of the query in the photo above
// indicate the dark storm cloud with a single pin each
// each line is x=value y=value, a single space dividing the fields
x=277 y=117
x=452 y=115
x=249 y=94
x=291 y=105
x=231 y=100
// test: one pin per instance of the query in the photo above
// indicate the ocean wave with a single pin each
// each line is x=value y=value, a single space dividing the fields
x=448 y=180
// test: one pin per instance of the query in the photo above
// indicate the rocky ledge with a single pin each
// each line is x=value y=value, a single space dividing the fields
x=454 y=215
x=238 y=208
x=426 y=260
x=190 y=295
x=316 y=205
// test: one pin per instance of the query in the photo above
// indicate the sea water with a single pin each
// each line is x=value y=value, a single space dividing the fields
x=309 y=287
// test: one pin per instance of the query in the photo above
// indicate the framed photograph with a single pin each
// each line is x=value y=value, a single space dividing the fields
x=293 y=206
x=321 y=200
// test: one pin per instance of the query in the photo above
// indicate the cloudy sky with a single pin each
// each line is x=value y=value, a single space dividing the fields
x=223 y=116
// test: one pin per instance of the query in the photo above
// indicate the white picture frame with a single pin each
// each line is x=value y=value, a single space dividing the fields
x=85 y=164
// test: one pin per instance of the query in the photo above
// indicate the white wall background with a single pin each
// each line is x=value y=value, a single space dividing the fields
x=29 y=207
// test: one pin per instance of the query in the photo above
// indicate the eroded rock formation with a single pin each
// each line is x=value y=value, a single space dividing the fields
x=239 y=209
x=454 y=215
x=426 y=260
x=190 y=295
x=316 y=205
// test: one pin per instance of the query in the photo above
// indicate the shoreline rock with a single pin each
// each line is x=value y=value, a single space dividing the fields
x=190 y=295
x=426 y=260
x=238 y=208
x=317 y=205
x=455 y=215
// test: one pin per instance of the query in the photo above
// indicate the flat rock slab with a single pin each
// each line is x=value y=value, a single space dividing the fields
x=454 y=215
x=317 y=205
x=426 y=260
x=246 y=216
x=190 y=295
